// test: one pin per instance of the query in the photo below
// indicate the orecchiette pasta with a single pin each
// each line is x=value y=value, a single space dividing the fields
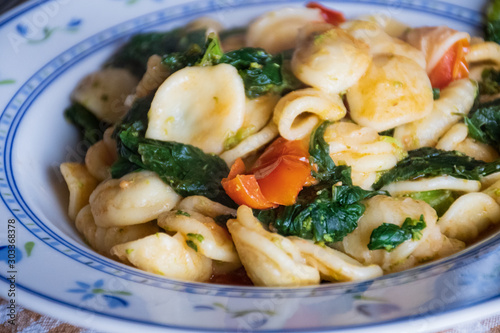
x=394 y=91
x=434 y=183
x=484 y=52
x=251 y=144
x=493 y=191
x=269 y=259
x=455 y=102
x=434 y=42
x=205 y=206
x=392 y=27
x=99 y=159
x=133 y=199
x=382 y=209
x=329 y=59
x=207 y=237
x=380 y=42
x=277 y=30
x=456 y=139
x=80 y=184
x=205 y=23
x=185 y=110
x=104 y=93
x=155 y=74
x=469 y=215
x=166 y=255
x=361 y=148
x=103 y=239
x=334 y=265
x=298 y=112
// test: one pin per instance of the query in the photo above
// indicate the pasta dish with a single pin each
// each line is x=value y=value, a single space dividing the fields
x=303 y=148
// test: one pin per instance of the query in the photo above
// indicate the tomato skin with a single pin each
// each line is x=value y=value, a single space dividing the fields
x=283 y=170
x=282 y=181
x=329 y=15
x=244 y=189
x=276 y=178
x=452 y=66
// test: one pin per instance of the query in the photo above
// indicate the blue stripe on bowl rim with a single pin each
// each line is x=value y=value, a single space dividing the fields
x=17 y=107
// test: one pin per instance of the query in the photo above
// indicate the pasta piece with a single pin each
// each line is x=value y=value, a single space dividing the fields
x=233 y=41
x=329 y=59
x=298 y=112
x=205 y=206
x=455 y=102
x=103 y=239
x=361 y=148
x=380 y=42
x=135 y=198
x=382 y=209
x=202 y=233
x=334 y=265
x=484 y=52
x=104 y=92
x=99 y=159
x=80 y=184
x=456 y=139
x=391 y=26
x=435 y=183
x=490 y=180
x=470 y=215
x=258 y=111
x=155 y=75
x=167 y=256
x=394 y=91
x=251 y=144
x=277 y=30
x=198 y=106
x=205 y=23
x=434 y=42
x=493 y=191
x=269 y=259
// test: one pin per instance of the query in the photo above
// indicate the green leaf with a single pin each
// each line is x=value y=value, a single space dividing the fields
x=135 y=54
x=90 y=127
x=484 y=123
x=492 y=24
x=213 y=51
x=436 y=93
x=490 y=82
x=180 y=212
x=440 y=200
x=192 y=245
x=431 y=162
x=262 y=72
x=197 y=237
x=28 y=247
x=389 y=236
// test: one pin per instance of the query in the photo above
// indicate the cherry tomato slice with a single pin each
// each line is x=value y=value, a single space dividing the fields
x=452 y=66
x=329 y=15
x=244 y=189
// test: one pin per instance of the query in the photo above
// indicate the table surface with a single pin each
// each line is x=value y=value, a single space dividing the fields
x=29 y=321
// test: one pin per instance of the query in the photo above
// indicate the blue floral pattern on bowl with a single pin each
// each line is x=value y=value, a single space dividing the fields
x=27 y=31
x=96 y=290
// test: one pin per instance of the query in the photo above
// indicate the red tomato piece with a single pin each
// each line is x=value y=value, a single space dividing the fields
x=329 y=15
x=283 y=170
x=452 y=66
x=244 y=189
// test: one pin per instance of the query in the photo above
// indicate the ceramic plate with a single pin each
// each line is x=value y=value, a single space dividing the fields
x=46 y=47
